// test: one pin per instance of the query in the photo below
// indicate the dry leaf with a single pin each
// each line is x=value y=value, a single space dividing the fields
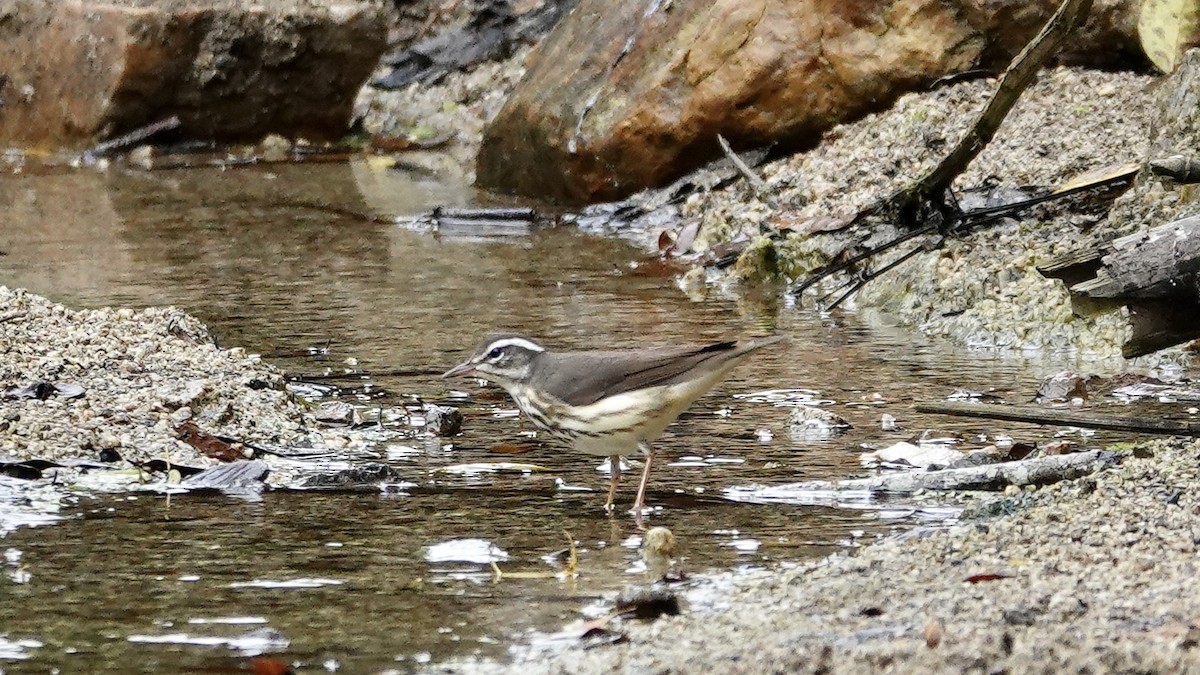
x=1166 y=29
x=209 y=445
x=1111 y=172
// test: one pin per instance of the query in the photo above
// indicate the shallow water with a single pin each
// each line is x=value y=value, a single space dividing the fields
x=350 y=579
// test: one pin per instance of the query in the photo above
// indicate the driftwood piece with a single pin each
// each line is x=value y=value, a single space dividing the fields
x=756 y=182
x=1039 y=471
x=1054 y=416
x=1156 y=273
x=1151 y=264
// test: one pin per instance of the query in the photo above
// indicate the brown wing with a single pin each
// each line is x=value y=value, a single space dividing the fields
x=582 y=378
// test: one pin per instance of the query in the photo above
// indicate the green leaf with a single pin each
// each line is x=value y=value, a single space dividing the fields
x=1167 y=28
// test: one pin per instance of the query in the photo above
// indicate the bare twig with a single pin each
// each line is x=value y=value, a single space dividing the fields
x=1018 y=76
x=132 y=138
x=865 y=278
x=830 y=270
x=754 y=179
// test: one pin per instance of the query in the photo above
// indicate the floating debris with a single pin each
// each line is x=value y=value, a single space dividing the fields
x=905 y=454
x=479 y=551
x=250 y=644
x=443 y=420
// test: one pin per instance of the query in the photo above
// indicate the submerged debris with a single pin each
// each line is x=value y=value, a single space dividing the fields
x=443 y=420
x=647 y=603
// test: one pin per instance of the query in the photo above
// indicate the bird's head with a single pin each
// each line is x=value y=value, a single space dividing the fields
x=504 y=359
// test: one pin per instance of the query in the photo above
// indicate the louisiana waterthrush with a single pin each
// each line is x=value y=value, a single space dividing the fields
x=606 y=403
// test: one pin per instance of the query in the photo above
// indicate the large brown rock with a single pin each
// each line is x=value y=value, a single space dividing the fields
x=615 y=99
x=74 y=71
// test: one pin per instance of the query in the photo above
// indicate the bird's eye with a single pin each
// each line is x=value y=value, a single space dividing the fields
x=496 y=353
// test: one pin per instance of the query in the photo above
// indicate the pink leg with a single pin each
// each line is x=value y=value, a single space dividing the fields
x=614 y=472
x=640 y=502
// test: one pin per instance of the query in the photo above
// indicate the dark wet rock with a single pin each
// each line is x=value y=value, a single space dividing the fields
x=1025 y=616
x=619 y=97
x=78 y=72
x=368 y=475
x=42 y=390
x=492 y=32
x=647 y=603
x=807 y=421
x=233 y=478
x=20 y=470
x=443 y=420
x=974 y=458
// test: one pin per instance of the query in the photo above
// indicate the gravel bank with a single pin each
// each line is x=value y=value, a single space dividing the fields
x=983 y=289
x=142 y=373
x=460 y=106
x=1098 y=577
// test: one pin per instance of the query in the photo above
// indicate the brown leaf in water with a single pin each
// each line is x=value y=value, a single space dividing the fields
x=1059 y=447
x=406 y=143
x=1019 y=451
x=266 y=665
x=677 y=241
x=657 y=267
x=512 y=448
x=597 y=626
x=666 y=239
x=597 y=633
x=209 y=445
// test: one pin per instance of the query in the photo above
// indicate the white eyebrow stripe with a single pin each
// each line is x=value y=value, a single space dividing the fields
x=517 y=342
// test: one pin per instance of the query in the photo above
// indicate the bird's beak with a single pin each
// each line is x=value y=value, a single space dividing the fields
x=461 y=369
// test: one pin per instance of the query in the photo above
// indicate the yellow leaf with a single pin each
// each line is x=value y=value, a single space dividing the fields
x=1166 y=29
x=1111 y=172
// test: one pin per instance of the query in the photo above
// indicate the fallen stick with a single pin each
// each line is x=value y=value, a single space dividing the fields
x=1014 y=81
x=132 y=138
x=1039 y=471
x=754 y=179
x=1073 y=418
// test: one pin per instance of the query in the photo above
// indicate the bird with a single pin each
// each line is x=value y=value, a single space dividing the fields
x=607 y=403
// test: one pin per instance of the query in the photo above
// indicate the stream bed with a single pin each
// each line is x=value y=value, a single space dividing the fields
x=397 y=578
